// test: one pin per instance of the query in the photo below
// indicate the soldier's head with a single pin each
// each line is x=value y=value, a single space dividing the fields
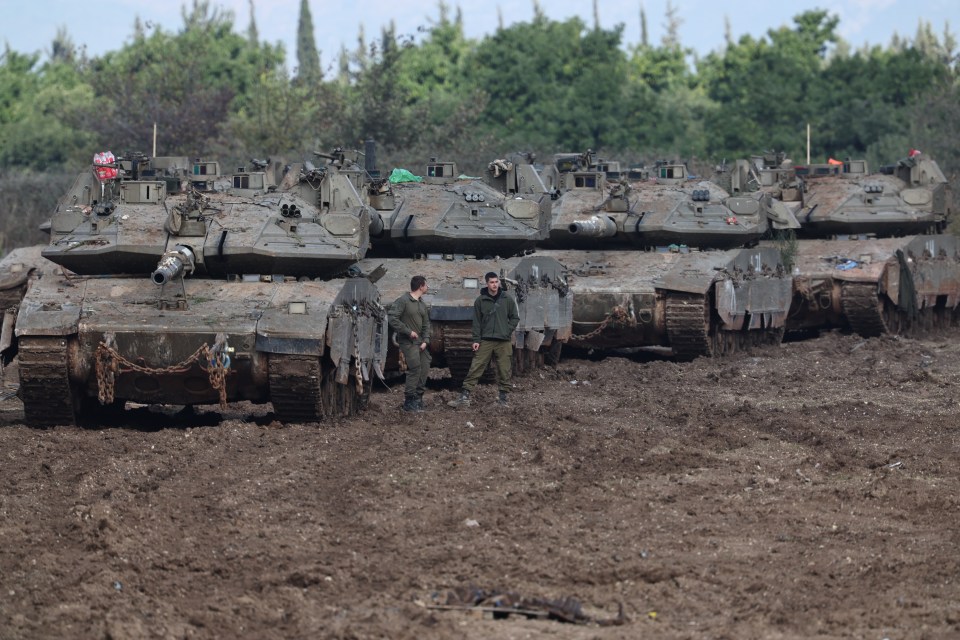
x=493 y=283
x=416 y=282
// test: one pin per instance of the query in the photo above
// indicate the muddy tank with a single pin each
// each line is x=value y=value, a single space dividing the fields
x=221 y=291
x=502 y=213
x=843 y=198
x=599 y=206
x=536 y=282
x=697 y=303
x=876 y=286
x=855 y=264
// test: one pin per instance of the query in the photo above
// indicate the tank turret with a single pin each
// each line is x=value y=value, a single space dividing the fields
x=843 y=198
x=502 y=213
x=598 y=205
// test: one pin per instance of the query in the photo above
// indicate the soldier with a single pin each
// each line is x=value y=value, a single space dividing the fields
x=410 y=320
x=495 y=318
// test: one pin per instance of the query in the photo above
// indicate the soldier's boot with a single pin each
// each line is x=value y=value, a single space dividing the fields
x=502 y=400
x=410 y=404
x=420 y=402
x=462 y=401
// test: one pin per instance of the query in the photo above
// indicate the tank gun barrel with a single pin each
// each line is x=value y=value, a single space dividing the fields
x=594 y=227
x=173 y=264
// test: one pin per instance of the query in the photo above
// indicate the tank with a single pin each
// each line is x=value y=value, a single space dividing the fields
x=536 y=282
x=843 y=198
x=598 y=205
x=876 y=286
x=502 y=213
x=696 y=303
x=643 y=263
x=857 y=263
x=216 y=290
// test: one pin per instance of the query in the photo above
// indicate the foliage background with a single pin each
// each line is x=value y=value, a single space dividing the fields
x=541 y=86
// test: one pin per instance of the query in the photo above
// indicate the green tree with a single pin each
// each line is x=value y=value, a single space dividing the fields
x=42 y=112
x=552 y=84
x=187 y=83
x=767 y=89
x=309 y=71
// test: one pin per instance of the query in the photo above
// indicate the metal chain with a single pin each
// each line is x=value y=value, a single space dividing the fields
x=357 y=367
x=109 y=362
x=618 y=315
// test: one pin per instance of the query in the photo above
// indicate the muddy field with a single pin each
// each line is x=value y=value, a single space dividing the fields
x=810 y=490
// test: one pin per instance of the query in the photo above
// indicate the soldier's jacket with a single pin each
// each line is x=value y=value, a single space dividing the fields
x=407 y=314
x=494 y=318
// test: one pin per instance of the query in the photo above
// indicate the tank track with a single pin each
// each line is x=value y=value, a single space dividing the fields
x=688 y=325
x=690 y=335
x=303 y=389
x=48 y=397
x=458 y=352
x=866 y=312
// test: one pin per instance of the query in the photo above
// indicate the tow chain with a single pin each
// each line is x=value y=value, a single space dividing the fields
x=109 y=362
x=618 y=315
x=357 y=368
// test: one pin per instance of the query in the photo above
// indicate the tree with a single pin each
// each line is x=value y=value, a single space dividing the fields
x=309 y=71
x=768 y=89
x=42 y=111
x=552 y=84
x=187 y=84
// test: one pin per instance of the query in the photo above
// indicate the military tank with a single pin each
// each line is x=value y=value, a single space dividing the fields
x=697 y=303
x=536 y=282
x=876 y=286
x=631 y=292
x=843 y=198
x=597 y=205
x=217 y=290
x=502 y=213
x=858 y=262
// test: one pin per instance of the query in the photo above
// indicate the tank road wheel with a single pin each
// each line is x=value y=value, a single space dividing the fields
x=866 y=313
x=688 y=326
x=48 y=398
x=302 y=389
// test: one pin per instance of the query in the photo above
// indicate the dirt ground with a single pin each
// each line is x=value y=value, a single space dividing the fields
x=809 y=490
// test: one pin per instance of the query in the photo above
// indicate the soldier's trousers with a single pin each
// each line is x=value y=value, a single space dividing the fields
x=418 y=367
x=502 y=353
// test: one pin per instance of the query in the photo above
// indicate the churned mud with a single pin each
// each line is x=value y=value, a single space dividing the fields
x=807 y=490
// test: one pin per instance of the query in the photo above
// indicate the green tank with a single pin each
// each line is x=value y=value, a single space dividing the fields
x=843 y=198
x=696 y=303
x=859 y=262
x=597 y=206
x=201 y=289
x=629 y=293
x=502 y=213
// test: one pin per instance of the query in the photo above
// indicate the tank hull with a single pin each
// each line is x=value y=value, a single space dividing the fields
x=876 y=286
x=308 y=347
x=699 y=303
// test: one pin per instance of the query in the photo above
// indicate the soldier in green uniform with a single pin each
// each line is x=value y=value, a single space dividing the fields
x=495 y=318
x=410 y=321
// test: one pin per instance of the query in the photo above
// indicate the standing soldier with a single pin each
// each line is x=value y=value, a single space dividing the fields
x=495 y=318
x=410 y=320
